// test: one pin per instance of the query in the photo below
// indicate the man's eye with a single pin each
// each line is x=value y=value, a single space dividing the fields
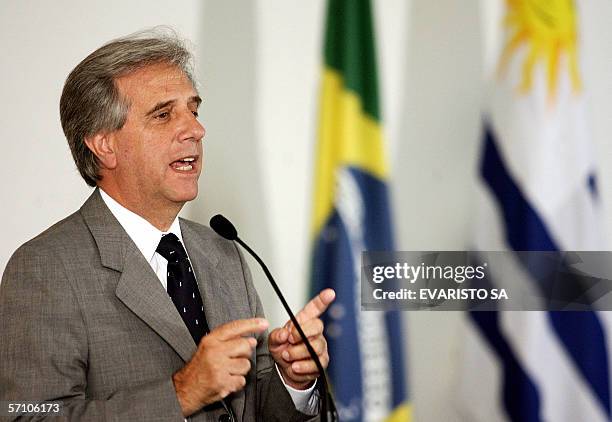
x=195 y=113
x=162 y=115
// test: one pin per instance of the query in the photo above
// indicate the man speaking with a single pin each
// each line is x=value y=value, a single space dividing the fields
x=122 y=311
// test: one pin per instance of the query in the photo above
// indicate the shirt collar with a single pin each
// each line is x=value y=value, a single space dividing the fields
x=143 y=234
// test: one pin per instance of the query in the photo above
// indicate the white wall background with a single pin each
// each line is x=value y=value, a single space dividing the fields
x=259 y=65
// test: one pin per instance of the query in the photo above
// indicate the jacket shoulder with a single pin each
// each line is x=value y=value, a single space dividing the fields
x=210 y=239
x=61 y=231
x=64 y=238
x=202 y=230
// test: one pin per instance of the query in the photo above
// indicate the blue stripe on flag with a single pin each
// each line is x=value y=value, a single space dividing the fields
x=593 y=188
x=524 y=229
x=333 y=267
x=581 y=333
x=584 y=339
x=378 y=235
x=521 y=397
x=394 y=328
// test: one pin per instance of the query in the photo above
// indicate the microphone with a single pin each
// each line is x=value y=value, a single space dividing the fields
x=224 y=228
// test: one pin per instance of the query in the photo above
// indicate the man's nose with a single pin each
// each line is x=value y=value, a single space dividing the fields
x=192 y=129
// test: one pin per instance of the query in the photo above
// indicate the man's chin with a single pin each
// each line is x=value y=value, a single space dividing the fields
x=183 y=196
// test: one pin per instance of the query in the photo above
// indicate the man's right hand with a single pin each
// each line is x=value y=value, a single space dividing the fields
x=219 y=366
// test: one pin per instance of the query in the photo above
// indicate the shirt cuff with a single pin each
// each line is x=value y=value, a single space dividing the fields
x=305 y=401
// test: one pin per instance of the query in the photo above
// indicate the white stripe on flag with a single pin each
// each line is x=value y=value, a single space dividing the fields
x=565 y=396
x=479 y=380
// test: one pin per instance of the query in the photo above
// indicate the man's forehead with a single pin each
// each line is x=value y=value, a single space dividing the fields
x=154 y=77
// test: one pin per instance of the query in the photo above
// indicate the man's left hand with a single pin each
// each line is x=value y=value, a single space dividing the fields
x=298 y=369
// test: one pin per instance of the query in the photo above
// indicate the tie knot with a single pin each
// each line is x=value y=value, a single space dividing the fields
x=171 y=248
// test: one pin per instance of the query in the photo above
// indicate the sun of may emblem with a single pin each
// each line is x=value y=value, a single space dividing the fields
x=548 y=30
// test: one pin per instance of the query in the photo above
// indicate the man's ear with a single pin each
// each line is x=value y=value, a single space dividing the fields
x=103 y=147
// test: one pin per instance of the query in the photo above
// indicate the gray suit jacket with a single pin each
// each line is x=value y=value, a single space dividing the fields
x=85 y=320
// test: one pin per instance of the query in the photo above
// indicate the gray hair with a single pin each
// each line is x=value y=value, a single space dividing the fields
x=91 y=102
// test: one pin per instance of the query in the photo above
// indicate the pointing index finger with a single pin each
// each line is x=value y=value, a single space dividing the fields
x=316 y=306
x=241 y=327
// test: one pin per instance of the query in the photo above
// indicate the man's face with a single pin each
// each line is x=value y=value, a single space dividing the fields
x=159 y=149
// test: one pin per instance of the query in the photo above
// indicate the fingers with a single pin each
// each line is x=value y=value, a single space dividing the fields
x=309 y=366
x=298 y=366
x=232 y=384
x=302 y=372
x=239 y=366
x=305 y=367
x=240 y=327
x=311 y=328
x=235 y=383
x=316 y=306
x=277 y=337
x=291 y=354
x=241 y=347
x=299 y=352
x=219 y=366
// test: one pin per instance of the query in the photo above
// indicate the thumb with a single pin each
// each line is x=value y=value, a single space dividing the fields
x=278 y=337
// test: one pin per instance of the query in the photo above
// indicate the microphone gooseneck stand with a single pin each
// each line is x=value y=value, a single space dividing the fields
x=226 y=229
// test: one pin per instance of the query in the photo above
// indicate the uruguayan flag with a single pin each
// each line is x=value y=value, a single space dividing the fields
x=537 y=191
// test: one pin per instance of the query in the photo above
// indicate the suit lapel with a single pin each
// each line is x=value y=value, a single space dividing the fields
x=138 y=288
x=210 y=278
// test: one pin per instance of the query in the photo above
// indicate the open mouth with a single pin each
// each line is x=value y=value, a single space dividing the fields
x=185 y=164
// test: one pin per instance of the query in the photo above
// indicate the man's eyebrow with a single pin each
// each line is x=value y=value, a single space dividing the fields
x=159 y=106
x=195 y=99
x=162 y=104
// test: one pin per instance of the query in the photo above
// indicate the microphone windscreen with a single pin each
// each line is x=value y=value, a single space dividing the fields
x=223 y=227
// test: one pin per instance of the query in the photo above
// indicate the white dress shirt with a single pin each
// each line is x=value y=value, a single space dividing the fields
x=147 y=237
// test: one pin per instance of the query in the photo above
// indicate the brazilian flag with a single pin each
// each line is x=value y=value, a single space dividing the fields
x=351 y=215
